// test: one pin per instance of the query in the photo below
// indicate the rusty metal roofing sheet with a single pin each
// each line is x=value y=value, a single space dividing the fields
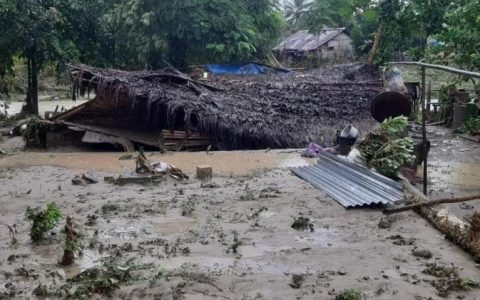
x=349 y=184
x=305 y=41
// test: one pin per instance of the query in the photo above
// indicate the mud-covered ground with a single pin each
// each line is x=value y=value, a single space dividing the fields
x=228 y=239
x=454 y=169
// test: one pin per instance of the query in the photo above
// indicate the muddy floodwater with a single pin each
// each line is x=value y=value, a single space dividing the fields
x=454 y=169
x=43 y=106
x=224 y=163
x=228 y=239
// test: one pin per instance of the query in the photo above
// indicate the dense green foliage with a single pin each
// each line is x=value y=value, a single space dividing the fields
x=407 y=24
x=30 y=31
x=137 y=34
x=134 y=34
x=43 y=221
x=471 y=126
x=460 y=35
x=191 y=32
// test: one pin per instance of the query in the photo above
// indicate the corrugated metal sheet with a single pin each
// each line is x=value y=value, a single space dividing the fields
x=305 y=41
x=349 y=184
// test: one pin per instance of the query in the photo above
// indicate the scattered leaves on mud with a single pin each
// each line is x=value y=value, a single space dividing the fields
x=448 y=279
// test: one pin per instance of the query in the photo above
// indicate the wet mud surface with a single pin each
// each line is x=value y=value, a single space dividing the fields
x=232 y=239
x=454 y=168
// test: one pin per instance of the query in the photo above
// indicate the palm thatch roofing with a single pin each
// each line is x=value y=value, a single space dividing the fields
x=281 y=111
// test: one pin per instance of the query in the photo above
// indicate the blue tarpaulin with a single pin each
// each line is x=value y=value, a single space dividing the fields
x=243 y=69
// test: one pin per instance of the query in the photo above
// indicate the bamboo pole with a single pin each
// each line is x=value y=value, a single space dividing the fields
x=439 y=67
x=430 y=203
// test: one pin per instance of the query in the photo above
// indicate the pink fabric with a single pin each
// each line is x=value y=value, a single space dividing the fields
x=313 y=150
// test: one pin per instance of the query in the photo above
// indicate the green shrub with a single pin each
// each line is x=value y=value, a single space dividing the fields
x=350 y=294
x=43 y=221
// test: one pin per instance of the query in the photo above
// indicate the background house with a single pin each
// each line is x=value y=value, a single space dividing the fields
x=305 y=49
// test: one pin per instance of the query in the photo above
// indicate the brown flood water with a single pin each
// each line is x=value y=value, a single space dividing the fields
x=223 y=163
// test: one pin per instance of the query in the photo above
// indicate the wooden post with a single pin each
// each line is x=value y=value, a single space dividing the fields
x=429 y=97
x=424 y=133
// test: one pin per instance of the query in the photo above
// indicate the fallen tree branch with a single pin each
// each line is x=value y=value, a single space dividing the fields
x=430 y=203
x=465 y=235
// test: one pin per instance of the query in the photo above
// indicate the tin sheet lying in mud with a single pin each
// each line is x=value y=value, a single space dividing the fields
x=349 y=184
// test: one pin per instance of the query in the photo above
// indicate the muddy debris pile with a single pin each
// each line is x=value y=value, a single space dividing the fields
x=303 y=224
x=447 y=279
x=147 y=172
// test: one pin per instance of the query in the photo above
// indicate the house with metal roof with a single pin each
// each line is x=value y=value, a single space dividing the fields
x=312 y=49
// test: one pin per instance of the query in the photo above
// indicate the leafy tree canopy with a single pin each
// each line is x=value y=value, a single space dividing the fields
x=458 y=42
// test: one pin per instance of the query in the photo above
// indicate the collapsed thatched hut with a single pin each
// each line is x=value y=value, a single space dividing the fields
x=168 y=110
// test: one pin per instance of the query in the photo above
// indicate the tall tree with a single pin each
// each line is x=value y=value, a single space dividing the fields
x=406 y=26
x=31 y=34
x=198 y=31
x=459 y=37
x=335 y=13
x=295 y=10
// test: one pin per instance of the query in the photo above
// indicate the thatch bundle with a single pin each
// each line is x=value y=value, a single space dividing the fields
x=252 y=113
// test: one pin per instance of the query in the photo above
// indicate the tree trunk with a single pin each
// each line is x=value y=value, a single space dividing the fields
x=34 y=103
x=178 y=54
x=29 y=80
x=32 y=85
x=376 y=43
x=74 y=89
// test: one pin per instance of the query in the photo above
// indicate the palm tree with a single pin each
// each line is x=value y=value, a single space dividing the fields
x=295 y=9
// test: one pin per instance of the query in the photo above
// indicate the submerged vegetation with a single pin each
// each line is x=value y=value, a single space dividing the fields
x=43 y=220
x=102 y=280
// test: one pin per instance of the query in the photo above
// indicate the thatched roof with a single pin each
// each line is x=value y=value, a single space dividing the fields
x=241 y=113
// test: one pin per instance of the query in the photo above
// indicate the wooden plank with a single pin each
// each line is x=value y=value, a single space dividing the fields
x=146 y=138
x=177 y=135
x=70 y=112
x=471 y=137
x=189 y=143
x=99 y=138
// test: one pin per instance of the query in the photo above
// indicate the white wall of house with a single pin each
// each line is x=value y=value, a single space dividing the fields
x=339 y=48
